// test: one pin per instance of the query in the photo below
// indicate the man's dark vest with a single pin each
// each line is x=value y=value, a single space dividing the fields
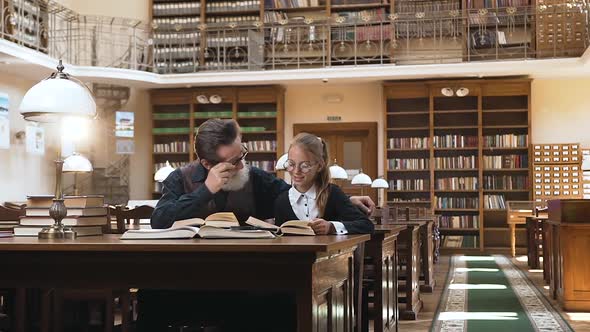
x=240 y=202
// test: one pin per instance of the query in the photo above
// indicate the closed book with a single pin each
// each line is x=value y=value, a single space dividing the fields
x=34 y=230
x=89 y=211
x=45 y=201
x=67 y=221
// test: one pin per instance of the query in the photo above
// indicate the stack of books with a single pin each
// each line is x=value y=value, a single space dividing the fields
x=87 y=215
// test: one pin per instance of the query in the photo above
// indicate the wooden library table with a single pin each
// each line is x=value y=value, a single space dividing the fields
x=318 y=270
x=381 y=259
x=534 y=235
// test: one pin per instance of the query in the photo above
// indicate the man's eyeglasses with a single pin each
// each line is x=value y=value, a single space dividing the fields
x=304 y=166
x=242 y=156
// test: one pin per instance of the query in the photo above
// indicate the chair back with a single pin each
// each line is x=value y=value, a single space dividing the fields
x=126 y=216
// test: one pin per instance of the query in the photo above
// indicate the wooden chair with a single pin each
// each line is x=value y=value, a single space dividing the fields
x=127 y=217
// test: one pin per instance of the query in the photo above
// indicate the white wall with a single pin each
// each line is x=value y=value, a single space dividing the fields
x=561 y=111
x=140 y=167
x=136 y=9
x=361 y=102
x=23 y=174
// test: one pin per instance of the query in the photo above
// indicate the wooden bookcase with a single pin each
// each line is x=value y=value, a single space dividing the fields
x=177 y=113
x=464 y=157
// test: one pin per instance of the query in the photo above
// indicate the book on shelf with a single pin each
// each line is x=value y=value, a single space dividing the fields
x=291 y=227
x=83 y=212
x=6 y=234
x=80 y=231
x=67 y=221
x=45 y=201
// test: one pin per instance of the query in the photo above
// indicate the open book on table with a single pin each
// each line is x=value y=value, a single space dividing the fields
x=291 y=227
x=215 y=226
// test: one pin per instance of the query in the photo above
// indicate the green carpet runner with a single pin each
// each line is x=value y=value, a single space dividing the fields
x=489 y=293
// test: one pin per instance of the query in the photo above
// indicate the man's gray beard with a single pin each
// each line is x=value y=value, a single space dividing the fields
x=239 y=180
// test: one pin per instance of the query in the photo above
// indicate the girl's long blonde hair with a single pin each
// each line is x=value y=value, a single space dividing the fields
x=316 y=147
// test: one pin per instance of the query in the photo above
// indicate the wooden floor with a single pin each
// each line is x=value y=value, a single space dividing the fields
x=579 y=321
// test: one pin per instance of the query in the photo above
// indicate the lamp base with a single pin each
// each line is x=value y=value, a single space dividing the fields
x=57 y=232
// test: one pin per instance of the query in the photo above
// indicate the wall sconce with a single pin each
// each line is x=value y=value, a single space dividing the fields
x=213 y=99
x=457 y=91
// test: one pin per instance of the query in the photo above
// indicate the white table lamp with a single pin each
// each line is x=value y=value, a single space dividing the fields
x=337 y=172
x=361 y=180
x=163 y=172
x=50 y=100
x=280 y=165
x=76 y=163
x=380 y=184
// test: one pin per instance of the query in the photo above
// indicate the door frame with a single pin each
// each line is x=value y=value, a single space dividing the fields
x=341 y=127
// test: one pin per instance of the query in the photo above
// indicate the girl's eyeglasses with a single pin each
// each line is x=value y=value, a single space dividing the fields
x=304 y=166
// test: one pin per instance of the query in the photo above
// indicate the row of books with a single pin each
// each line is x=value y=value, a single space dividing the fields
x=362 y=33
x=456 y=183
x=505 y=182
x=456 y=202
x=182 y=8
x=458 y=162
x=176 y=66
x=178 y=52
x=378 y=14
x=454 y=141
x=267 y=165
x=230 y=6
x=274 y=16
x=494 y=202
x=407 y=143
x=228 y=41
x=180 y=146
x=172 y=130
x=408 y=200
x=290 y=3
x=87 y=215
x=170 y=38
x=176 y=23
x=217 y=114
x=426 y=6
x=464 y=221
x=506 y=141
x=256 y=146
x=409 y=184
x=412 y=163
x=229 y=19
x=506 y=161
x=251 y=114
x=475 y=4
x=174 y=164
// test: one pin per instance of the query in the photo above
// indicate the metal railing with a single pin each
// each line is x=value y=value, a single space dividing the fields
x=446 y=36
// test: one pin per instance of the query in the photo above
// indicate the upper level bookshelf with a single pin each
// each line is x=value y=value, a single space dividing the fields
x=461 y=148
x=177 y=113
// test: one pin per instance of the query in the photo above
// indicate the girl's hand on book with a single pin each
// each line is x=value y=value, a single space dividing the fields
x=322 y=227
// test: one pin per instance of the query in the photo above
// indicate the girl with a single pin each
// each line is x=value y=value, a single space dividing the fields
x=312 y=197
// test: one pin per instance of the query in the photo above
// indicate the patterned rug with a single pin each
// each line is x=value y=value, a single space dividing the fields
x=489 y=293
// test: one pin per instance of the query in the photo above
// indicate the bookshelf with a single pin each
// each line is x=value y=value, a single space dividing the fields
x=177 y=113
x=463 y=157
